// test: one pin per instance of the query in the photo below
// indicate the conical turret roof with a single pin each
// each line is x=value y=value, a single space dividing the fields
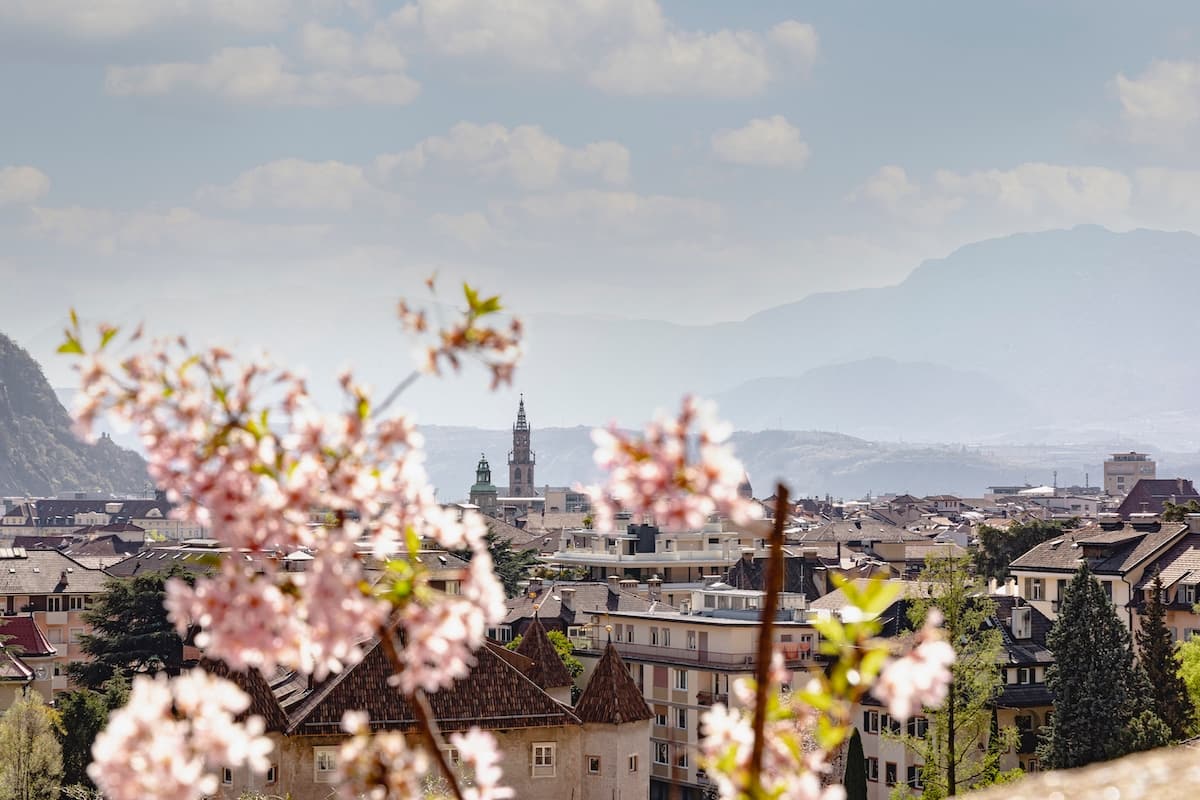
x=548 y=670
x=611 y=695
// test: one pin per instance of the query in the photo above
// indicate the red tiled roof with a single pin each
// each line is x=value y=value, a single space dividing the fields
x=25 y=636
x=547 y=670
x=611 y=696
x=12 y=668
x=494 y=695
x=262 y=700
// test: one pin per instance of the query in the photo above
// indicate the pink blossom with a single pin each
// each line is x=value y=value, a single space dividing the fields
x=479 y=755
x=922 y=677
x=655 y=475
x=173 y=736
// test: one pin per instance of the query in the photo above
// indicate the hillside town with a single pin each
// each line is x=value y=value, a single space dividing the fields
x=617 y=642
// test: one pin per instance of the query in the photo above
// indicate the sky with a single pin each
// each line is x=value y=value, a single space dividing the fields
x=241 y=171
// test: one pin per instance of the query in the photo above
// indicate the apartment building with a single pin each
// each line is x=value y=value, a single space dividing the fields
x=53 y=590
x=684 y=662
x=1123 y=470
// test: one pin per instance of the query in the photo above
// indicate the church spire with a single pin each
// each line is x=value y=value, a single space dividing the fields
x=521 y=458
x=522 y=423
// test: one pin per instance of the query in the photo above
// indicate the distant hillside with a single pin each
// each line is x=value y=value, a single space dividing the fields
x=810 y=462
x=39 y=455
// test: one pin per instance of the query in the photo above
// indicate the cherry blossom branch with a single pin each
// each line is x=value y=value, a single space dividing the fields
x=762 y=673
x=424 y=714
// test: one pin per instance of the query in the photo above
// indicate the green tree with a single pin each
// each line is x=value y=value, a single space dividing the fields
x=957 y=745
x=510 y=565
x=30 y=756
x=83 y=714
x=855 y=780
x=997 y=548
x=1102 y=707
x=1188 y=655
x=130 y=632
x=1177 y=512
x=562 y=646
x=1156 y=652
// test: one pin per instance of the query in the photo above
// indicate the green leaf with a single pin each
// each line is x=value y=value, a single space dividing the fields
x=107 y=332
x=74 y=318
x=71 y=345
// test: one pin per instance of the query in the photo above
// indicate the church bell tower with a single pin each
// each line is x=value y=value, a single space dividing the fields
x=521 y=458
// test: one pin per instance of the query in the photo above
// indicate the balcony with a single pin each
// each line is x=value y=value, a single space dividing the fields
x=711 y=698
x=794 y=658
x=56 y=617
x=58 y=683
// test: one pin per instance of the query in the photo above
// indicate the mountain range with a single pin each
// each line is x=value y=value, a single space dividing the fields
x=39 y=454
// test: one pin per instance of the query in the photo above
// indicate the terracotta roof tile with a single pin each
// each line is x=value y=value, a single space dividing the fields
x=12 y=668
x=25 y=636
x=611 y=696
x=495 y=695
x=262 y=699
x=547 y=670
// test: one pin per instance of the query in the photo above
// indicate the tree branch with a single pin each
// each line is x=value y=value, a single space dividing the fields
x=762 y=673
x=420 y=703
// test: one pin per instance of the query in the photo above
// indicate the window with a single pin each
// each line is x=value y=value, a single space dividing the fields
x=918 y=727
x=1107 y=587
x=654 y=636
x=681 y=760
x=681 y=680
x=889 y=724
x=633 y=759
x=889 y=773
x=691 y=640
x=666 y=637
x=1024 y=722
x=226 y=776
x=629 y=634
x=871 y=721
x=872 y=768
x=1187 y=593
x=661 y=755
x=502 y=633
x=272 y=774
x=453 y=756
x=576 y=632
x=1023 y=675
x=710 y=601
x=1035 y=588
x=55 y=603
x=75 y=602
x=324 y=764
x=1033 y=766
x=914 y=777
x=681 y=719
x=660 y=716
x=543 y=759
x=75 y=634
x=593 y=763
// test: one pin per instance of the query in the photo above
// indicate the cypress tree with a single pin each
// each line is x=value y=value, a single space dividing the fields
x=1156 y=652
x=1101 y=710
x=855 y=780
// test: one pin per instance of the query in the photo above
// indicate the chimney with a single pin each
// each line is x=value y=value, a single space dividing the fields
x=709 y=580
x=654 y=588
x=1022 y=622
x=1010 y=587
x=568 y=598
x=614 y=582
x=535 y=586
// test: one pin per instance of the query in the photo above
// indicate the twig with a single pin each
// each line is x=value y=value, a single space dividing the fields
x=762 y=672
x=408 y=381
x=424 y=714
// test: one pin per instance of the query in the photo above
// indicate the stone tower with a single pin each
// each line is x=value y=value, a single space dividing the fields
x=521 y=458
x=483 y=493
x=616 y=728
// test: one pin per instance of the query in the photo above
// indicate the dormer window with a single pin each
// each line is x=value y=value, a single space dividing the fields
x=1187 y=593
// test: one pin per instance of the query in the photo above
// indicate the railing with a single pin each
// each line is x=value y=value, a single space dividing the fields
x=679 y=655
x=711 y=698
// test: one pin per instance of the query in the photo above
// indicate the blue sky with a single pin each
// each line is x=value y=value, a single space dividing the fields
x=237 y=169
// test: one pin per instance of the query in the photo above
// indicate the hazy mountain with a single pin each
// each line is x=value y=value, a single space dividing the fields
x=881 y=398
x=1077 y=330
x=39 y=455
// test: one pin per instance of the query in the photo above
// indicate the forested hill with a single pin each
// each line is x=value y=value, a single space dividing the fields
x=39 y=455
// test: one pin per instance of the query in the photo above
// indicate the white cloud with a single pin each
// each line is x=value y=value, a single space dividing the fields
x=262 y=74
x=295 y=184
x=620 y=46
x=1031 y=194
x=108 y=19
x=1162 y=105
x=473 y=229
x=767 y=142
x=621 y=215
x=526 y=155
x=179 y=231
x=22 y=185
